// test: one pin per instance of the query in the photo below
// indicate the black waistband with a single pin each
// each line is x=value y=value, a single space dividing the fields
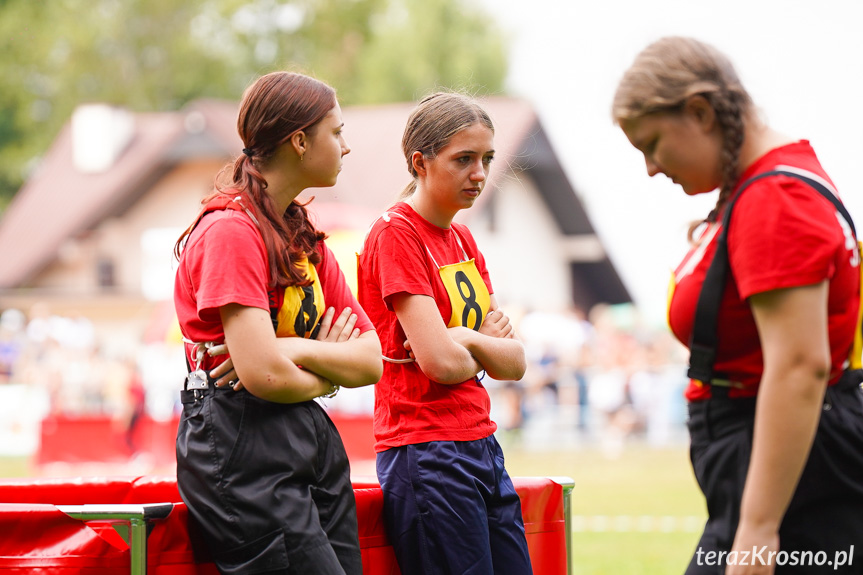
x=850 y=379
x=720 y=415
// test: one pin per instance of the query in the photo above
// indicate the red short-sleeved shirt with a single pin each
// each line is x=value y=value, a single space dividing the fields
x=409 y=407
x=225 y=261
x=782 y=234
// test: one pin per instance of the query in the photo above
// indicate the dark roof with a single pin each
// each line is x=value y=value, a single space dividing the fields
x=59 y=202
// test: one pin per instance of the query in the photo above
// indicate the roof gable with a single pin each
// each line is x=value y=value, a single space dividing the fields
x=58 y=202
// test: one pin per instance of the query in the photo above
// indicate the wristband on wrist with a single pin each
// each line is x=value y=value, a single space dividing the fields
x=334 y=389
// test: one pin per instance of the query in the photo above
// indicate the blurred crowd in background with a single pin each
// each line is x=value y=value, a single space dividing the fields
x=599 y=379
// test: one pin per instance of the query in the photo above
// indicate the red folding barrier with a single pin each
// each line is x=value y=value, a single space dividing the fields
x=36 y=536
x=97 y=439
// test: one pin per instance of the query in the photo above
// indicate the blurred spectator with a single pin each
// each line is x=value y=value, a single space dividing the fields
x=602 y=379
x=553 y=346
x=606 y=380
x=12 y=339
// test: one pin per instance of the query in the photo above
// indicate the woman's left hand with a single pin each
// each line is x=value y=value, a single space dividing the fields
x=496 y=324
x=342 y=329
x=754 y=552
x=224 y=373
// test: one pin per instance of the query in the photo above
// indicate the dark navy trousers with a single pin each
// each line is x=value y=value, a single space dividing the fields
x=451 y=509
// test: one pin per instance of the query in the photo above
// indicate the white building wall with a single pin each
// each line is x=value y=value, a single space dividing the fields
x=524 y=254
x=172 y=204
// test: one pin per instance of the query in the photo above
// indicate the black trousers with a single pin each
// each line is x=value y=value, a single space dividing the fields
x=267 y=485
x=822 y=531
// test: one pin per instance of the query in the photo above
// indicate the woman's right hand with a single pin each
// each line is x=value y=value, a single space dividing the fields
x=761 y=563
x=342 y=329
x=224 y=373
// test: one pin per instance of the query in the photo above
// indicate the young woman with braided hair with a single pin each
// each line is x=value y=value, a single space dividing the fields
x=775 y=405
x=270 y=325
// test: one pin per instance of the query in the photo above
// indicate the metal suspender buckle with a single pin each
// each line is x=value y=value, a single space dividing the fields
x=197 y=382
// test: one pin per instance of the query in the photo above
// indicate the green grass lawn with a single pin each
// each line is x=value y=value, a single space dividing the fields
x=639 y=514
x=11 y=467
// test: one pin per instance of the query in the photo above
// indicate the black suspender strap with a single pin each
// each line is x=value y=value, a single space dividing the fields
x=274 y=308
x=703 y=343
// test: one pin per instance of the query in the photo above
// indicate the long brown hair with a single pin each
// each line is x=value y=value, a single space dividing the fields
x=671 y=70
x=273 y=109
x=433 y=123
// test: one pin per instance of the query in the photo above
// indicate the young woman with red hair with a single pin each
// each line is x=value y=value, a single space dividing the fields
x=260 y=466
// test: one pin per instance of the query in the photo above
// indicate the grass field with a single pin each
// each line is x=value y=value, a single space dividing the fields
x=638 y=514
x=15 y=467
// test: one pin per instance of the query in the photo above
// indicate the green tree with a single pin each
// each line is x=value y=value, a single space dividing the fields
x=157 y=55
x=419 y=46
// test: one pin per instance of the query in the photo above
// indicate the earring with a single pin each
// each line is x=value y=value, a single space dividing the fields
x=301 y=157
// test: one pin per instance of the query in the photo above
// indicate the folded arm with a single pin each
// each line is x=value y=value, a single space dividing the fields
x=263 y=369
x=454 y=355
x=495 y=346
x=439 y=357
x=340 y=353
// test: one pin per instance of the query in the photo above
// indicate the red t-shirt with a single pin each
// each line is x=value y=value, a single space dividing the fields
x=225 y=261
x=409 y=407
x=782 y=234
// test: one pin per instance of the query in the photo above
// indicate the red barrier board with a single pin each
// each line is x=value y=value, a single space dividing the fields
x=99 y=439
x=36 y=537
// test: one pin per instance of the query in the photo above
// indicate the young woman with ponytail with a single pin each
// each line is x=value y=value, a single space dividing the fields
x=270 y=325
x=775 y=406
x=449 y=505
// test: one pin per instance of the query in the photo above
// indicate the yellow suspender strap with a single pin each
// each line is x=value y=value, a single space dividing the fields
x=855 y=359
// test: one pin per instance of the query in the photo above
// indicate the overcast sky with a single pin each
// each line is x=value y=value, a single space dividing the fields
x=802 y=62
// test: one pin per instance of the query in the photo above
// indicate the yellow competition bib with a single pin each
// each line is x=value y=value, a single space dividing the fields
x=672 y=285
x=856 y=361
x=303 y=307
x=468 y=294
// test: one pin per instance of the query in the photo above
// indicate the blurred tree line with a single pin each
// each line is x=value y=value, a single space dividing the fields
x=157 y=55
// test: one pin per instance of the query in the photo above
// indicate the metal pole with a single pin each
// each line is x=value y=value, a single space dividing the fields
x=138 y=546
x=137 y=516
x=568 y=484
x=567 y=514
